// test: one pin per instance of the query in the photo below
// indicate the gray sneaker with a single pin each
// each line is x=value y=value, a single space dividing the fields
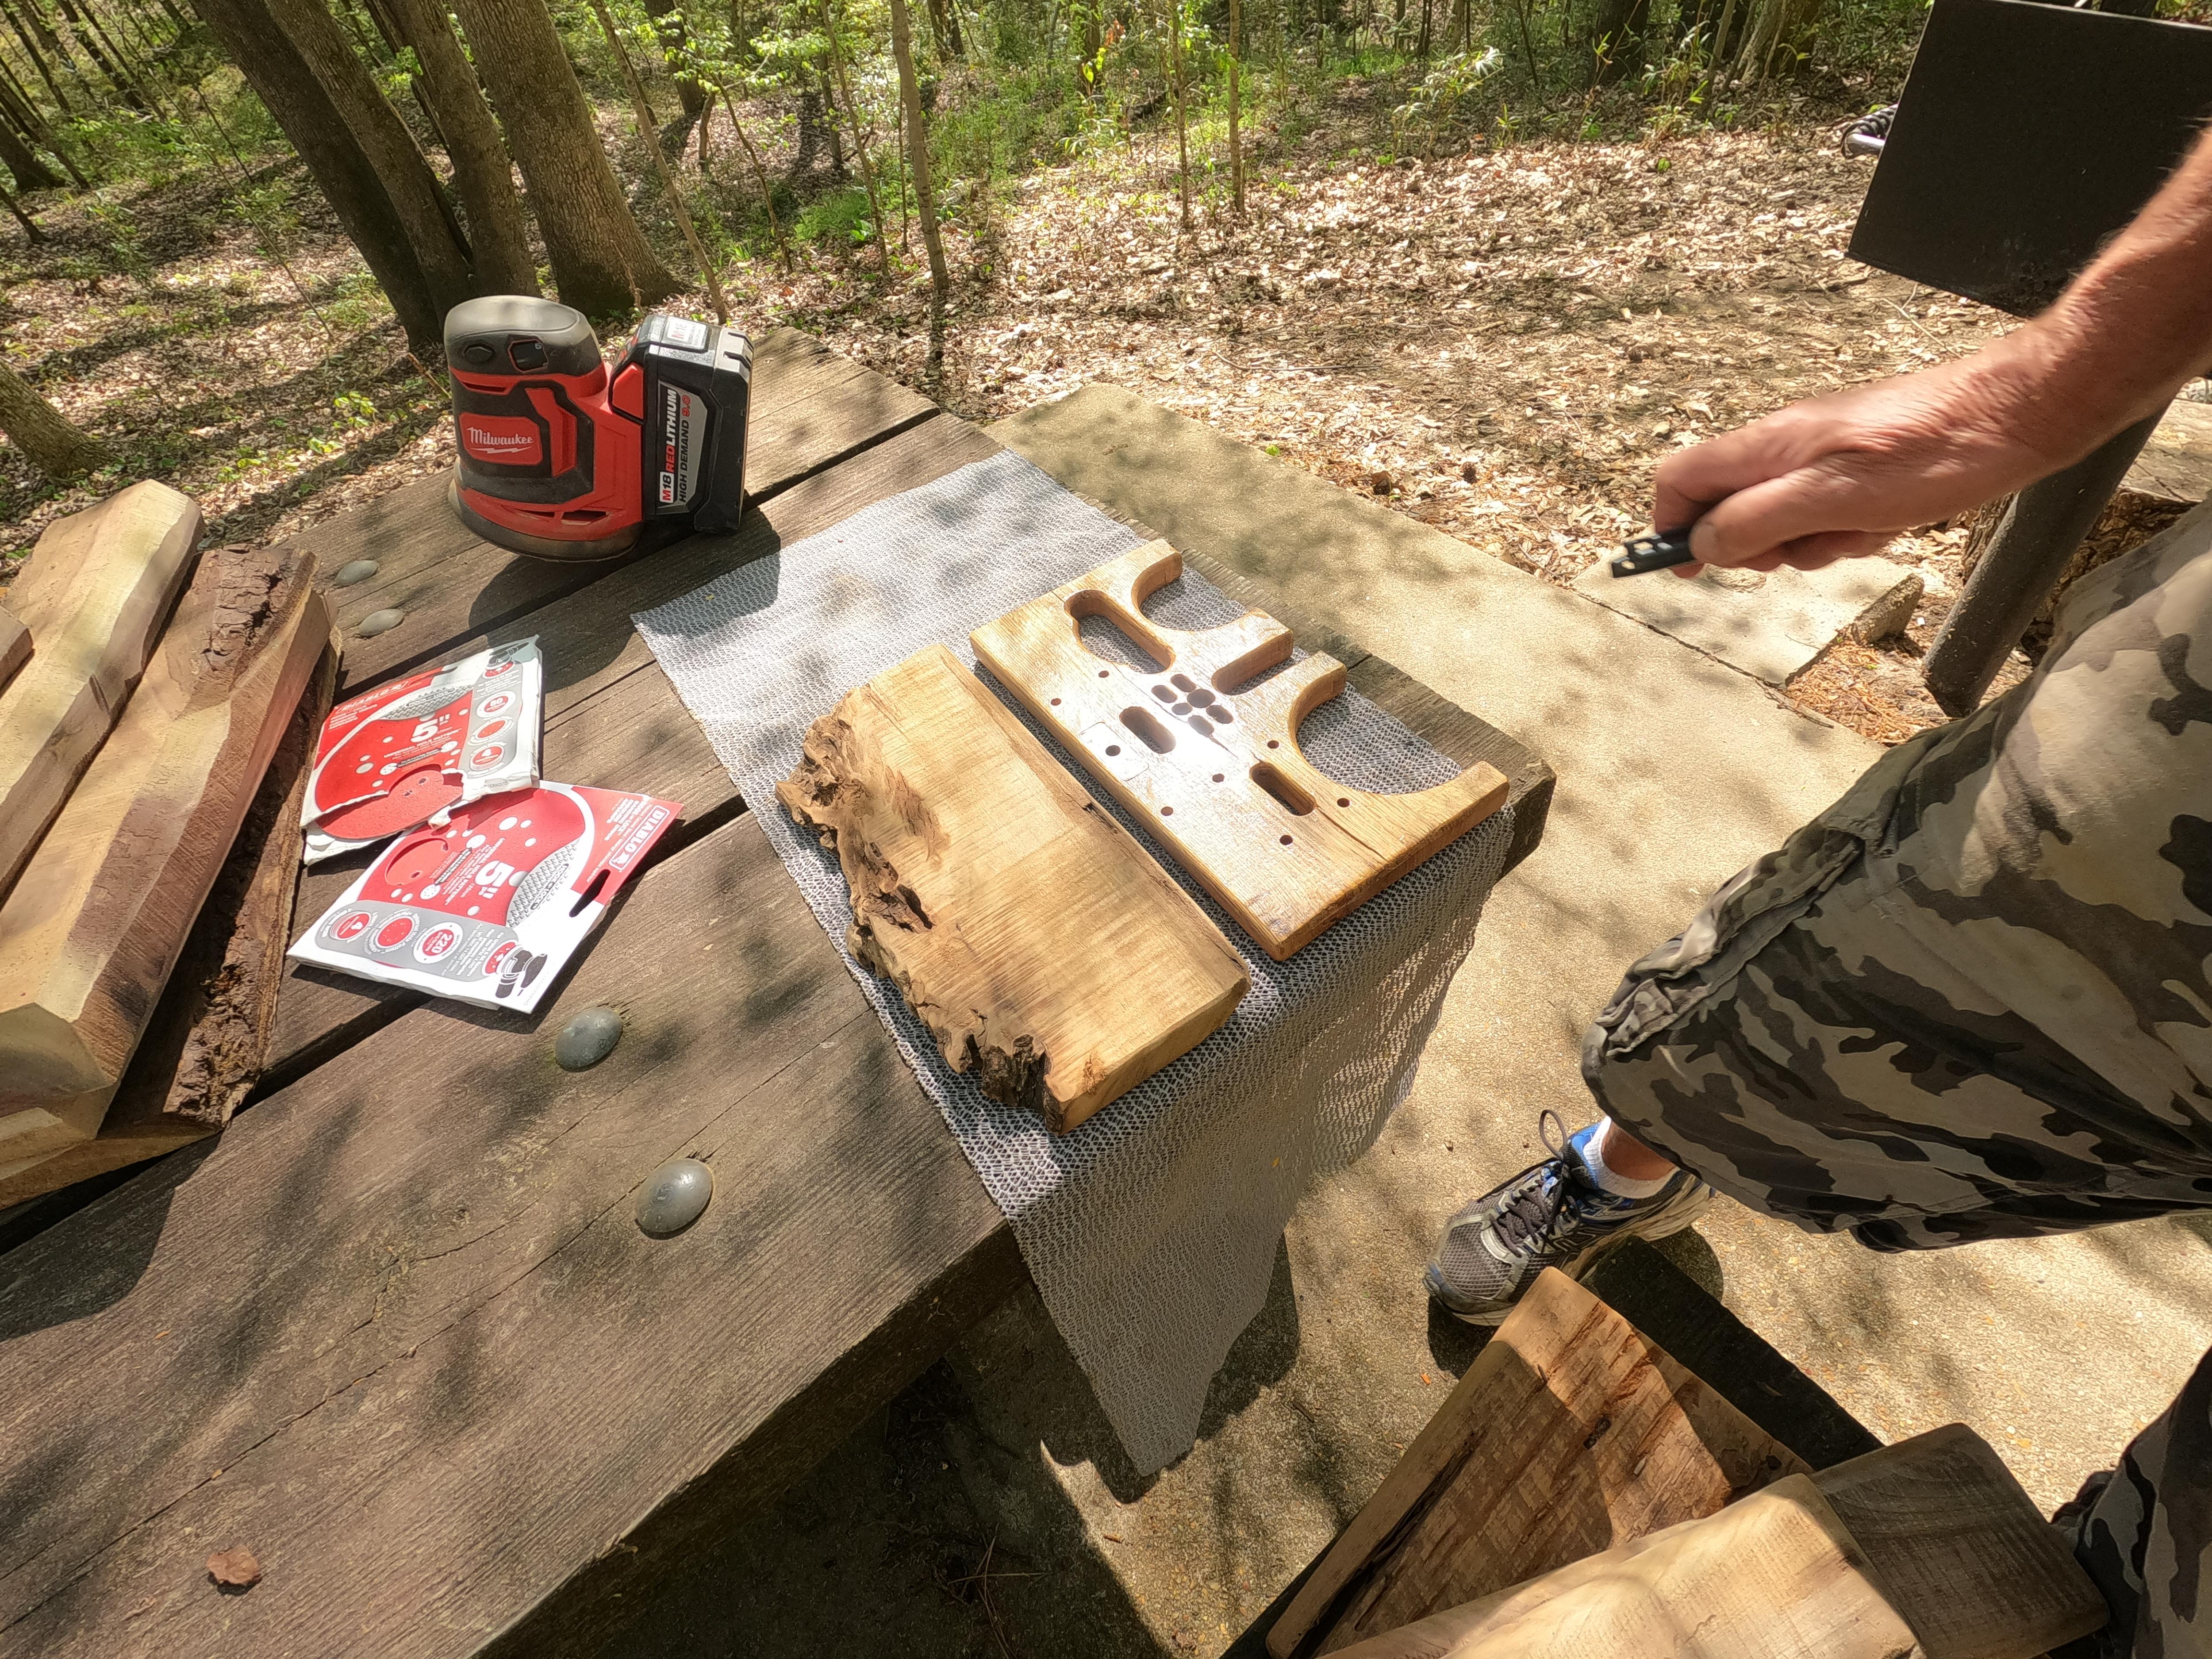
x=1550 y=1215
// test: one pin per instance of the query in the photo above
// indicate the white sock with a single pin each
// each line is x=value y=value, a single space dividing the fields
x=1609 y=1179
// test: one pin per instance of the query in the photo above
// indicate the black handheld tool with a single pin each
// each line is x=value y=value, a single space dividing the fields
x=1658 y=549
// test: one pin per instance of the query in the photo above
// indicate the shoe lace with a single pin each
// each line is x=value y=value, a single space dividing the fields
x=1532 y=1215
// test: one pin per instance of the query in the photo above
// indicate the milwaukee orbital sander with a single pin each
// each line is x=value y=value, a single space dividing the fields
x=560 y=460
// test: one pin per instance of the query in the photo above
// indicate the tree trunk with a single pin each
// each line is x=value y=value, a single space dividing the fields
x=1237 y=109
x=760 y=172
x=944 y=24
x=602 y=264
x=499 y=246
x=38 y=59
x=650 y=139
x=73 y=25
x=279 y=74
x=56 y=448
x=1182 y=122
x=30 y=172
x=675 y=48
x=1619 y=28
x=940 y=283
x=860 y=139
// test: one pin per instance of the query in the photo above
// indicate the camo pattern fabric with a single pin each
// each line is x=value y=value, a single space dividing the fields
x=2144 y=1532
x=1969 y=1000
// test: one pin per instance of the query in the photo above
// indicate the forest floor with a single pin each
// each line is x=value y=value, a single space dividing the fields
x=1502 y=343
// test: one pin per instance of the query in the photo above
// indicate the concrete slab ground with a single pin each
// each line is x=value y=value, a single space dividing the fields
x=1772 y=624
x=996 y=1479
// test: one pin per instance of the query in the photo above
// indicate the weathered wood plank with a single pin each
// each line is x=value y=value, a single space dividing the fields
x=107 y=900
x=403 y=1309
x=94 y=594
x=811 y=409
x=15 y=645
x=1775 y=1577
x=220 y=996
x=1961 y=1549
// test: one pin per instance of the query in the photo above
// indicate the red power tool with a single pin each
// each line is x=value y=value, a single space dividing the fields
x=562 y=460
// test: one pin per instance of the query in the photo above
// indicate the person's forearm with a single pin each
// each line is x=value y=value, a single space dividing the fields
x=2129 y=332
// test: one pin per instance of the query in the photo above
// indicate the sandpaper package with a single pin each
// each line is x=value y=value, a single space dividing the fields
x=487 y=907
x=395 y=757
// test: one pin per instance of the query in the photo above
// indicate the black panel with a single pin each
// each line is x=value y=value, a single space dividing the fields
x=2025 y=136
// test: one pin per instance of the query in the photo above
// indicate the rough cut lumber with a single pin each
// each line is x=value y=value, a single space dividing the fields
x=1207 y=754
x=1571 y=1432
x=1777 y=1576
x=203 y=1049
x=94 y=594
x=230 y=1007
x=90 y=935
x=1960 y=1550
x=1045 y=951
x=15 y=645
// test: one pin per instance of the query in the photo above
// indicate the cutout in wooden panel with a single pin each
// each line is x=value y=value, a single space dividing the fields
x=1206 y=718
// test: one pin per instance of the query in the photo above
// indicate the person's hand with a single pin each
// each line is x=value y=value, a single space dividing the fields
x=1840 y=475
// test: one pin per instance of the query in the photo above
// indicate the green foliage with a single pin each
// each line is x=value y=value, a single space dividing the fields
x=841 y=217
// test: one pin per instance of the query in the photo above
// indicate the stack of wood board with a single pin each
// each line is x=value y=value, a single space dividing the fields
x=1927 y=1548
x=1205 y=753
x=1572 y=1437
x=15 y=645
x=209 y=1037
x=1569 y=1433
x=94 y=596
x=1044 y=949
x=106 y=902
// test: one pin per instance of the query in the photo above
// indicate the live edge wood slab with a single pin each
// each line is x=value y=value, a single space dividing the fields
x=1048 y=954
x=459 y=1403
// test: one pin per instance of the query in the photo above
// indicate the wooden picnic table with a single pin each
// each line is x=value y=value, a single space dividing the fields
x=396 y=1331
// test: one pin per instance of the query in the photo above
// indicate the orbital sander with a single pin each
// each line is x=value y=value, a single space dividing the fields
x=560 y=460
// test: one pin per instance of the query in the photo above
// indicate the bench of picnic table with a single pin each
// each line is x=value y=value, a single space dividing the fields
x=395 y=1331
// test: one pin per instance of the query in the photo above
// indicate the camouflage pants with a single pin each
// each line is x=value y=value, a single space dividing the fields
x=1971 y=1000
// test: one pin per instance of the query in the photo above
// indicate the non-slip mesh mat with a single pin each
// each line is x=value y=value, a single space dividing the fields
x=1151 y=1231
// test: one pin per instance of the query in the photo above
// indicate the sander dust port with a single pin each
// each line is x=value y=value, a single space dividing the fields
x=560 y=459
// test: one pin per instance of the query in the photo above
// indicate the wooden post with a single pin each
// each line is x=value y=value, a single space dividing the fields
x=2040 y=529
x=1236 y=110
x=918 y=140
x=643 y=112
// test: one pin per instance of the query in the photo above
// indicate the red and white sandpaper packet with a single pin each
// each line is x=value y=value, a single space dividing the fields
x=397 y=756
x=487 y=907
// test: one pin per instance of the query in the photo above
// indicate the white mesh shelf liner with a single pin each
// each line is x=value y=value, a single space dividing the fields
x=1151 y=1231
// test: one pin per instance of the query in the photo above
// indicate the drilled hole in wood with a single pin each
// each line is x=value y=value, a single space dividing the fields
x=1184 y=683
x=1102 y=673
x=1167 y=812
x=1201 y=697
x=1056 y=702
x=1286 y=840
x=1217 y=777
x=1273 y=742
x=1164 y=694
x=1113 y=748
x=1150 y=727
x=1220 y=714
x=1344 y=801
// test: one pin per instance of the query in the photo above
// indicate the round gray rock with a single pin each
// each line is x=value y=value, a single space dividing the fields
x=587 y=1039
x=377 y=621
x=358 y=570
x=675 y=1197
